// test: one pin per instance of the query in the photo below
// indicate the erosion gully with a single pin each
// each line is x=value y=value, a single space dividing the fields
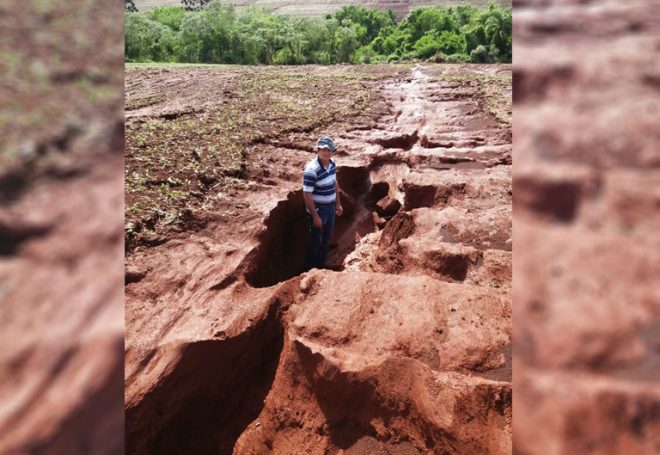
x=234 y=370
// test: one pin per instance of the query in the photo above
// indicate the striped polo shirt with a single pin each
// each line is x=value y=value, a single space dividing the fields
x=321 y=182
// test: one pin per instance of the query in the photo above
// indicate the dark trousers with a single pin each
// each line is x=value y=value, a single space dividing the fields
x=319 y=239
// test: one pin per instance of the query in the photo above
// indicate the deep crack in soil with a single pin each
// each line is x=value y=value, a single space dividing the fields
x=206 y=402
x=280 y=254
x=402 y=347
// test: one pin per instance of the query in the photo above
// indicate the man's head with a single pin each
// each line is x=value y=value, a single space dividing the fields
x=324 y=147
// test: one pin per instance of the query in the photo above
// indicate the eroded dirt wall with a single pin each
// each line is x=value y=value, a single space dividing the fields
x=61 y=233
x=586 y=225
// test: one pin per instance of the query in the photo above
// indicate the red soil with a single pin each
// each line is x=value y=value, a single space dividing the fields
x=403 y=348
x=587 y=254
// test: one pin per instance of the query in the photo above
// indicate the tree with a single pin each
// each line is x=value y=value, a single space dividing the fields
x=426 y=46
x=319 y=36
x=218 y=33
x=464 y=14
x=445 y=42
x=423 y=20
x=172 y=16
x=147 y=40
x=372 y=21
x=479 y=55
x=194 y=5
x=475 y=35
x=498 y=26
x=346 y=43
x=208 y=35
x=260 y=30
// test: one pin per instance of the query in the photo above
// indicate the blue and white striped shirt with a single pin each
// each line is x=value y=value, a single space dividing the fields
x=321 y=182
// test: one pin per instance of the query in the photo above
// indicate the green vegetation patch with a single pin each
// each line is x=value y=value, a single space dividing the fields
x=218 y=33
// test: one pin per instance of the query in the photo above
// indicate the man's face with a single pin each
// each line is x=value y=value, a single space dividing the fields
x=324 y=153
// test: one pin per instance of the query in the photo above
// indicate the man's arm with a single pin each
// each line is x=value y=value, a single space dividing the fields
x=311 y=208
x=339 y=209
x=309 y=179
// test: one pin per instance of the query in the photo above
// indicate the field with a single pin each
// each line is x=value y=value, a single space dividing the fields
x=412 y=319
x=199 y=145
x=322 y=8
x=193 y=149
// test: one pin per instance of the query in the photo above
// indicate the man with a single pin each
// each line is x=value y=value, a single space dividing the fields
x=322 y=203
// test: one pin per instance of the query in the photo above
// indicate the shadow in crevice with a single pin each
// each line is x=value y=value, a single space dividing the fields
x=398 y=141
x=282 y=245
x=17 y=233
x=12 y=186
x=358 y=198
x=351 y=404
x=205 y=402
x=281 y=251
x=347 y=403
x=554 y=201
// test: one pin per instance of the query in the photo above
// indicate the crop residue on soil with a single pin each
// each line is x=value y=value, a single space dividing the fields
x=403 y=346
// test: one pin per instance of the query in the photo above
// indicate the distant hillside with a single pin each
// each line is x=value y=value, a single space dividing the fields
x=311 y=8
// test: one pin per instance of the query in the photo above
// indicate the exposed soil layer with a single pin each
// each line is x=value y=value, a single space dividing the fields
x=587 y=221
x=281 y=254
x=226 y=381
x=401 y=347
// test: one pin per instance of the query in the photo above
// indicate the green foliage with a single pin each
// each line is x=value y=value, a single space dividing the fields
x=424 y=20
x=456 y=32
x=215 y=32
x=171 y=16
x=479 y=55
x=210 y=36
x=370 y=21
x=457 y=58
x=445 y=42
x=147 y=40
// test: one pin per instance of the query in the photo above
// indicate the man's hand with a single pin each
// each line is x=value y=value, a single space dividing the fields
x=316 y=219
x=339 y=210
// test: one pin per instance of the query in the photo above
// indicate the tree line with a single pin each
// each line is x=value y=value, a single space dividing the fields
x=216 y=32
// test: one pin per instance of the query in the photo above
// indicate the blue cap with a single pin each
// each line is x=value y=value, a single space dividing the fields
x=325 y=142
